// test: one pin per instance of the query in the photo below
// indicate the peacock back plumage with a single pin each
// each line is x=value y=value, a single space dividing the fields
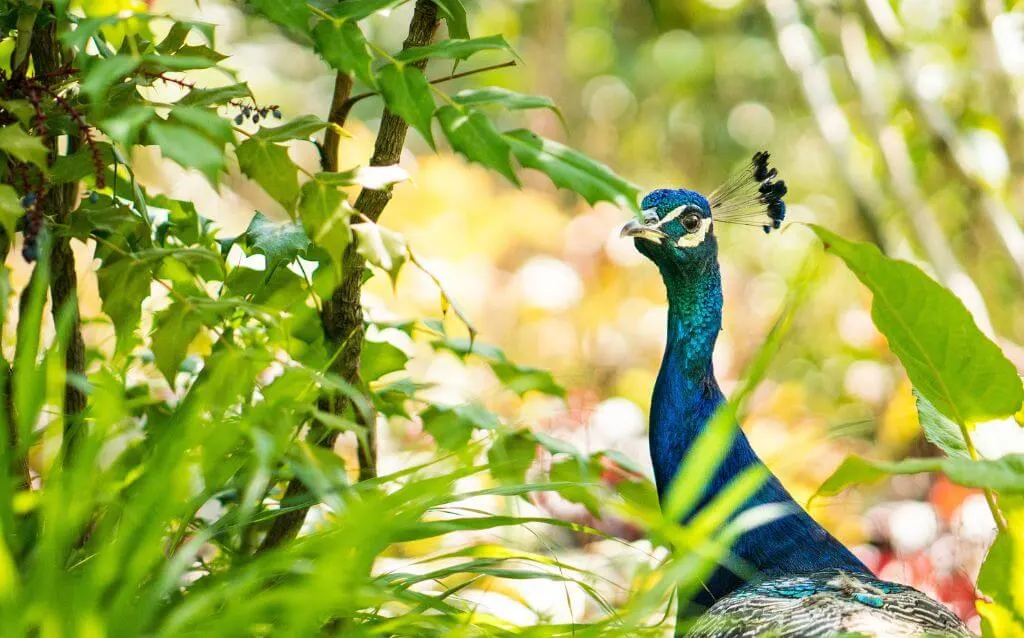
x=808 y=584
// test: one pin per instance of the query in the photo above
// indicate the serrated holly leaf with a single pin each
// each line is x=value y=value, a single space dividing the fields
x=187 y=59
x=452 y=427
x=359 y=9
x=325 y=214
x=455 y=49
x=123 y=286
x=510 y=100
x=103 y=73
x=381 y=247
x=472 y=134
x=280 y=242
x=293 y=14
x=938 y=429
x=407 y=94
x=173 y=330
x=21 y=109
x=269 y=166
x=343 y=46
x=80 y=164
x=18 y=144
x=454 y=13
x=187 y=148
x=10 y=209
x=523 y=379
x=125 y=125
x=573 y=170
x=204 y=121
x=379 y=358
x=218 y=95
x=301 y=128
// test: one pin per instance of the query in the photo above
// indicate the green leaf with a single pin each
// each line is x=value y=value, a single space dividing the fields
x=452 y=427
x=1000 y=580
x=205 y=121
x=472 y=134
x=104 y=73
x=125 y=125
x=343 y=46
x=938 y=429
x=123 y=286
x=573 y=170
x=379 y=358
x=10 y=209
x=381 y=247
x=281 y=243
x=523 y=379
x=301 y=128
x=293 y=14
x=269 y=166
x=325 y=215
x=455 y=49
x=173 y=330
x=948 y=359
x=1005 y=474
x=407 y=94
x=217 y=95
x=21 y=109
x=454 y=13
x=185 y=60
x=511 y=456
x=71 y=168
x=510 y=100
x=17 y=143
x=359 y=9
x=187 y=148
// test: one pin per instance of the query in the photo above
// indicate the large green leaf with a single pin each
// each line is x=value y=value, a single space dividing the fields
x=17 y=143
x=81 y=163
x=123 y=286
x=407 y=94
x=472 y=134
x=379 y=358
x=269 y=166
x=104 y=73
x=301 y=128
x=217 y=95
x=573 y=170
x=454 y=13
x=188 y=148
x=325 y=215
x=938 y=429
x=204 y=121
x=293 y=14
x=1005 y=474
x=948 y=359
x=455 y=49
x=280 y=242
x=510 y=100
x=10 y=209
x=1000 y=580
x=125 y=125
x=343 y=46
x=359 y=9
x=173 y=330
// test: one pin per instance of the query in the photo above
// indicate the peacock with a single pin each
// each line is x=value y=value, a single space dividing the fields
x=808 y=583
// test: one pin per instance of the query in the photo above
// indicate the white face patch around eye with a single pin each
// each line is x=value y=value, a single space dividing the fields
x=672 y=214
x=696 y=238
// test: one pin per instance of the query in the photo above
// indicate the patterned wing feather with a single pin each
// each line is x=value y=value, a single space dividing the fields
x=827 y=604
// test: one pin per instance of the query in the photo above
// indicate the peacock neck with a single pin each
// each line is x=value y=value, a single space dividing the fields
x=686 y=396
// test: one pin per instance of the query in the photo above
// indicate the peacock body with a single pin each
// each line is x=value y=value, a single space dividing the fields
x=809 y=584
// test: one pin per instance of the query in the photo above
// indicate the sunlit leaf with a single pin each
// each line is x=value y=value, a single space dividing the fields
x=188 y=148
x=408 y=95
x=939 y=429
x=343 y=46
x=472 y=134
x=301 y=128
x=269 y=166
x=380 y=247
x=325 y=215
x=455 y=49
x=173 y=330
x=454 y=13
x=379 y=358
x=280 y=242
x=104 y=73
x=10 y=211
x=17 y=143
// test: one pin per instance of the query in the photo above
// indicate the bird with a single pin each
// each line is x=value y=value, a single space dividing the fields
x=806 y=582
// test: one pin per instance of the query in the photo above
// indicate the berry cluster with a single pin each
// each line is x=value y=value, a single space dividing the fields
x=255 y=113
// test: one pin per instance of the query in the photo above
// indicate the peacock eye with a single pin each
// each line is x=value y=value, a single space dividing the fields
x=691 y=222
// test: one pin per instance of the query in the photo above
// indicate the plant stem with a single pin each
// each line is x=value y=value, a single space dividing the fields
x=342 y=314
x=990 y=498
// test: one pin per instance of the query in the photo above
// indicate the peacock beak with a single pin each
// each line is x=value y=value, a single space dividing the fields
x=634 y=228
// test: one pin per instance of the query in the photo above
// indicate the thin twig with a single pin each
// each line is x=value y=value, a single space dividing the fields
x=448 y=78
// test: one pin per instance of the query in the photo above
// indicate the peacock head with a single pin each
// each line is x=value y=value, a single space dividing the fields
x=677 y=227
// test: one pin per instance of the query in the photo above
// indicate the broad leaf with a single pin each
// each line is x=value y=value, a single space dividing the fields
x=343 y=46
x=1005 y=474
x=359 y=9
x=301 y=128
x=104 y=73
x=938 y=429
x=455 y=49
x=472 y=134
x=280 y=242
x=124 y=285
x=218 y=95
x=452 y=427
x=293 y=14
x=379 y=358
x=407 y=94
x=948 y=359
x=325 y=215
x=125 y=125
x=381 y=247
x=17 y=143
x=173 y=330
x=454 y=13
x=188 y=148
x=269 y=166
x=572 y=170
x=523 y=379
x=510 y=100
x=205 y=121
x=1000 y=580
x=10 y=210
x=511 y=456
x=80 y=164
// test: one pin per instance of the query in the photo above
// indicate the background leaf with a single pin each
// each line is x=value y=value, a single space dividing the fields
x=408 y=95
x=269 y=166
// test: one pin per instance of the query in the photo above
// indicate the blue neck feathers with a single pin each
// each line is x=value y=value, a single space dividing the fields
x=686 y=395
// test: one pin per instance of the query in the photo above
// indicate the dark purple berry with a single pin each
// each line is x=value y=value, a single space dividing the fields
x=256 y=118
x=277 y=114
x=239 y=119
x=93 y=197
x=30 y=251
